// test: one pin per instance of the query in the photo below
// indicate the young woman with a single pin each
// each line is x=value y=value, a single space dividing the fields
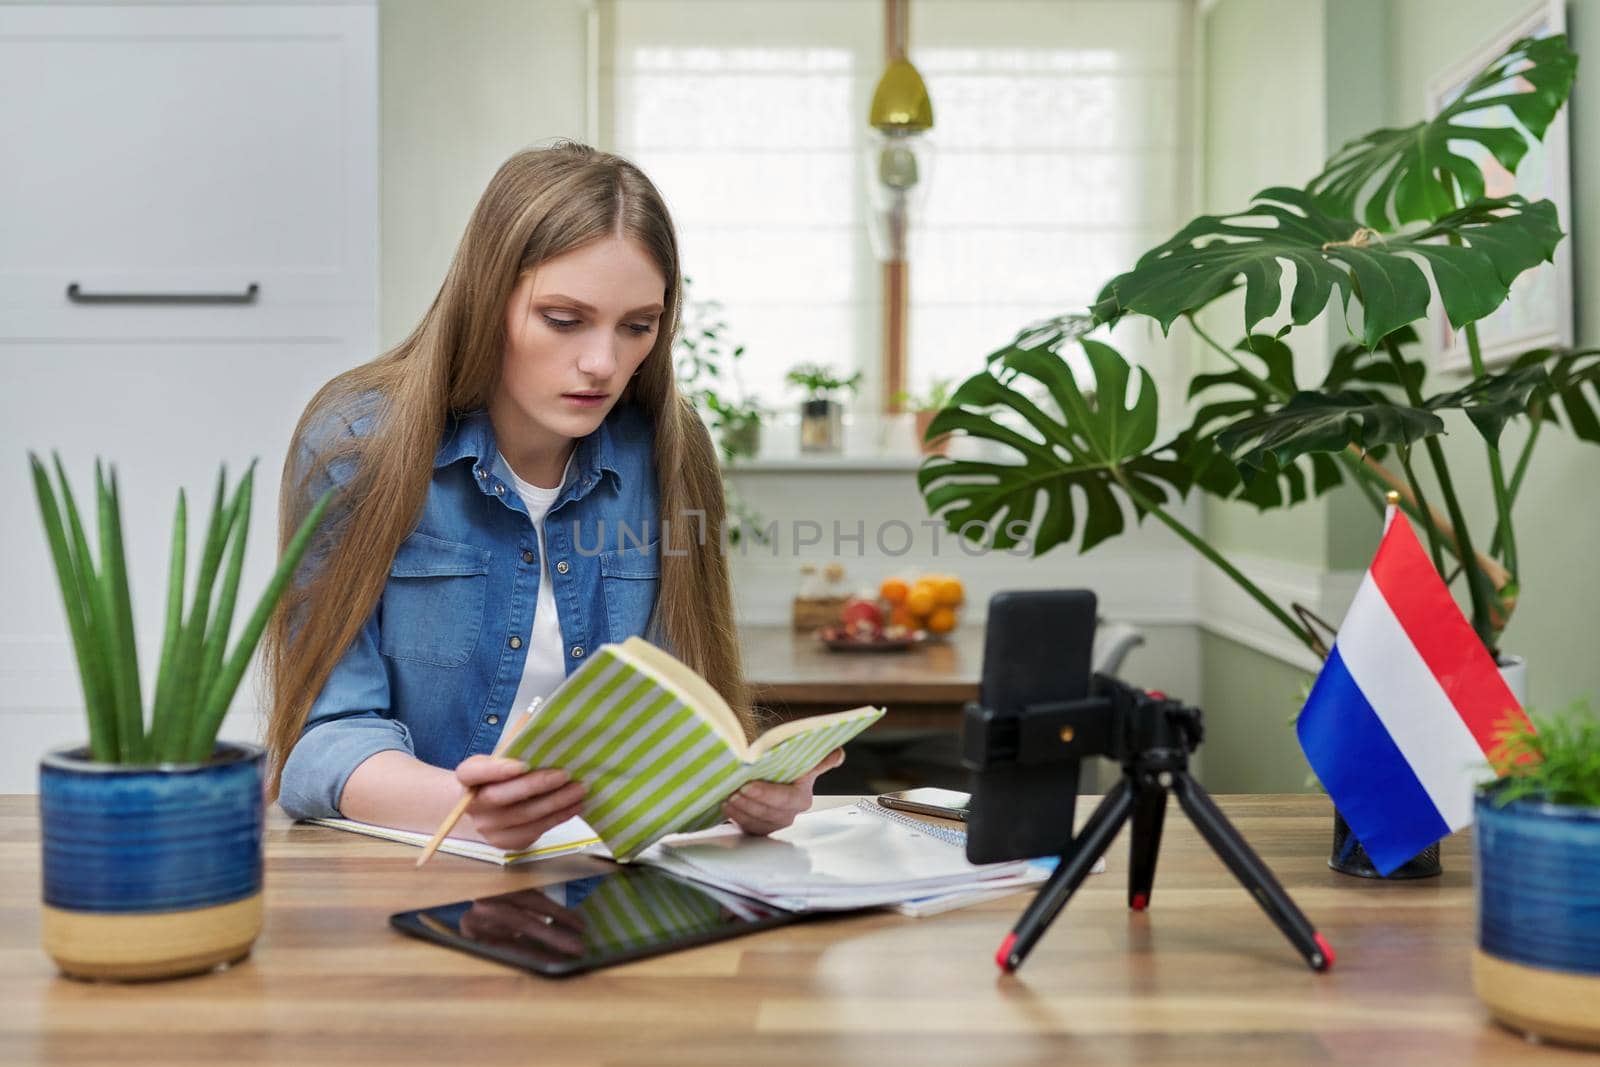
x=507 y=476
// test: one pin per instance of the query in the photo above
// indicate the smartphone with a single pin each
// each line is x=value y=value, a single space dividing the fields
x=1037 y=649
x=943 y=803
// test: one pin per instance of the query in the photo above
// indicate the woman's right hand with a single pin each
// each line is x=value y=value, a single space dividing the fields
x=514 y=806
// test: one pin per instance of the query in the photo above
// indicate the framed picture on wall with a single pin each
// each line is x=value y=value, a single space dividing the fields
x=1539 y=310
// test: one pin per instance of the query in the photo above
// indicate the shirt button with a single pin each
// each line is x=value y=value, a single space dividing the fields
x=499 y=489
x=577 y=651
x=516 y=642
x=562 y=568
x=527 y=557
x=492 y=720
x=479 y=473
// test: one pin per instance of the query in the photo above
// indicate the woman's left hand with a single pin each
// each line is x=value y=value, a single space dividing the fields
x=762 y=807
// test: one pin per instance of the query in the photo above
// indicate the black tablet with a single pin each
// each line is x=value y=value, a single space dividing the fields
x=571 y=927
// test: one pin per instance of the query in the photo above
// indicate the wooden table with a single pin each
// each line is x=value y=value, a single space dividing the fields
x=794 y=674
x=1201 y=978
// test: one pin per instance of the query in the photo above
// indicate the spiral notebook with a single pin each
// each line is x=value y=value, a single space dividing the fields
x=855 y=856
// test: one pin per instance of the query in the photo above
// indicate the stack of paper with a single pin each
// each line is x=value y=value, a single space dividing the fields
x=846 y=857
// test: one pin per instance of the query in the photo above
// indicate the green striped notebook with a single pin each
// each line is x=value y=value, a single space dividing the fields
x=658 y=750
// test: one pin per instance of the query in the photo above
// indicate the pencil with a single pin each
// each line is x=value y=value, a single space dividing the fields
x=466 y=798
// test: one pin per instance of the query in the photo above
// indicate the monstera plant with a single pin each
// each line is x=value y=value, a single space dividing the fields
x=1396 y=220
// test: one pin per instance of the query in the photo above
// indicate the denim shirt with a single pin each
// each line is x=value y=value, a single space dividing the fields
x=434 y=670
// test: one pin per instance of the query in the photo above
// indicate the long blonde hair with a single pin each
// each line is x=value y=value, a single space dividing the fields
x=540 y=203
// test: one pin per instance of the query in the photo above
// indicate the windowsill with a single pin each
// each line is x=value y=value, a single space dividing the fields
x=823 y=463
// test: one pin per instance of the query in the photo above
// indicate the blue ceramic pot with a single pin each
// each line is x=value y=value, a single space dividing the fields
x=1538 y=873
x=151 y=871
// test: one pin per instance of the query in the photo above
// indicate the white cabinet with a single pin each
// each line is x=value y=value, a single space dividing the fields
x=188 y=248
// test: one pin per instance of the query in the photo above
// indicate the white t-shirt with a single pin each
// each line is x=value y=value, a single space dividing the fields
x=545 y=666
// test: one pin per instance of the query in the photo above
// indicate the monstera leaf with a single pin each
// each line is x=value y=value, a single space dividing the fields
x=1395 y=176
x=1499 y=240
x=1356 y=367
x=1323 y=422
x=1494 y=399
x=1574 y=388
x=1231 y=395
x=1082 y=463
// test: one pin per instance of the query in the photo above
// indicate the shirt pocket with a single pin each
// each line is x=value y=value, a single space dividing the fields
x=433 y=603
x=628 y=582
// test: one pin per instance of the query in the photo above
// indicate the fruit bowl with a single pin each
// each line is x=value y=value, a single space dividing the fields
x=930 y=602
x=889 y=639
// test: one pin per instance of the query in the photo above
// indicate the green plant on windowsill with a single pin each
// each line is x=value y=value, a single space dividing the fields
x=924 y=408
x=707 y=366
x=935 y=399
x=821 y=382
x=1394 y=216
x=197 y=675
x=821 y=412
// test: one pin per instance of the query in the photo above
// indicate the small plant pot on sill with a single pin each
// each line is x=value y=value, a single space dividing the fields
x=151 y=871
x=938 y=445
x=821 y=426
x=743 y=439
x=1537 y=966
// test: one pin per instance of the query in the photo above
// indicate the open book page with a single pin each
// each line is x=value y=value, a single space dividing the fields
x=691 y=688
x=783 y=732
x=650 y=761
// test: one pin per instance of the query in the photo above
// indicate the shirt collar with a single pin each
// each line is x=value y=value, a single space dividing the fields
x=471 y=436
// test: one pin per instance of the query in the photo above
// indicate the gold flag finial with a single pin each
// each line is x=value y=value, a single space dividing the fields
x=1393 y=498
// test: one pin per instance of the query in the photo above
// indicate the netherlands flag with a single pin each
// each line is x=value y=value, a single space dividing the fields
x=1407 y=709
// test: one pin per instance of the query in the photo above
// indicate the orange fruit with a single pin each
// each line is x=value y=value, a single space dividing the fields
x=949 y=592
x=901 y=616
x=942 y=621
x=894 y=590
x=921 y=600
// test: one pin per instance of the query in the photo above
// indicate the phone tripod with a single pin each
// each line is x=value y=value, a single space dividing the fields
x=1152 y=737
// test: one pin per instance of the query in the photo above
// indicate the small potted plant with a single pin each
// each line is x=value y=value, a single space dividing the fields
x=821 y=414
x=708 y=374
x=924 y=406
x=152 y=830
x=1537 y=843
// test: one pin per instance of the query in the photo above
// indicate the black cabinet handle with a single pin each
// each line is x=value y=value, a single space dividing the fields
x=76 y=294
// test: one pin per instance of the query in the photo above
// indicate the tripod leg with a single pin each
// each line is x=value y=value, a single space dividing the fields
x=1149 y=812
x=1246 y=866
x=1089 y=845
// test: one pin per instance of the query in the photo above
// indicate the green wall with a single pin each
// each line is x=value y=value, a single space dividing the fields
x=1559 y=510
x=1250 y=701
x=1251 y=140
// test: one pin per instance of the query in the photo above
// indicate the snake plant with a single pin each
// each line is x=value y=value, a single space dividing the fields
x=197 y=674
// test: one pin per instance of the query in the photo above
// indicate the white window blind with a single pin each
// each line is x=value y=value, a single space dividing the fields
x=1062 y=152
x=747 y=116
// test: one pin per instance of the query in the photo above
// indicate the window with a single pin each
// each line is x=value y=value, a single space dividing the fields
x=746 y=117
x=1061 y=153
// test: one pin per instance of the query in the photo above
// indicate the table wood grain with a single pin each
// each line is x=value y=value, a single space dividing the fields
x=1201 y=978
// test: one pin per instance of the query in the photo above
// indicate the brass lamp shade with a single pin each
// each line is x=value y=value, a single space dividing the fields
x=900 y=101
